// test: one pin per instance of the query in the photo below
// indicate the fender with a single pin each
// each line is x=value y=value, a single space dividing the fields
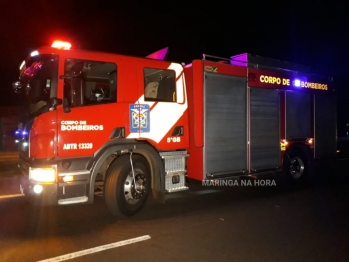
x=157 y=168
x=302 y=147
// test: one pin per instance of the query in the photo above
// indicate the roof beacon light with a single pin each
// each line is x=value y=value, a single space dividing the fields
x=61 y=45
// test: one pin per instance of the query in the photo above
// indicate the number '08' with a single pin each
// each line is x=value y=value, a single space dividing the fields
x=173 y=139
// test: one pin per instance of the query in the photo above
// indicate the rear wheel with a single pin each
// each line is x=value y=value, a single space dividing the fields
x=297 y=168
x=126 y=190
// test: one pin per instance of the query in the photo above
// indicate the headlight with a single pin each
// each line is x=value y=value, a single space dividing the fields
x=42 y=174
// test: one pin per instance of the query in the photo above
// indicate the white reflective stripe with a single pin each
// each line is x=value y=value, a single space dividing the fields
x=96 y=249
x=141 y=101
x=11 y=196
x=165 y=114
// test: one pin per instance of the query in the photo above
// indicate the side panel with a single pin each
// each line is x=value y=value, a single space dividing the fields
x=194 y=83
x=225 y=147
x=297 y=115
x=325 y=126
x=264 y=133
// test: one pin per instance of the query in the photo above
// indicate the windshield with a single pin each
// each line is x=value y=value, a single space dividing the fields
x=39 y=77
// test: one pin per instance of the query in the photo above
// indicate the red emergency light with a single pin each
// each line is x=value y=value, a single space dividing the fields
x=61 y=45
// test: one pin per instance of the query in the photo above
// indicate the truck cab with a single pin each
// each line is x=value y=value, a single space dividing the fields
x=86 y=109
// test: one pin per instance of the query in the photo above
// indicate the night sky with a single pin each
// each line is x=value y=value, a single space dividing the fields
x=304 y=32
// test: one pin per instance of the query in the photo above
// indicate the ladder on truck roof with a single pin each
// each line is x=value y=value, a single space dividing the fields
x=263 y=63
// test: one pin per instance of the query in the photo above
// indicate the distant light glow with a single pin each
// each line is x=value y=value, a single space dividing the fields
x=61 y=45
x=297 y=83
x=25 y=144
x=310 y=141
x=22 y=65
x=21 y=132
x=34 y=53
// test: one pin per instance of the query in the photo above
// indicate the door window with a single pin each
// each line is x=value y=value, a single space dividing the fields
x=89 y=82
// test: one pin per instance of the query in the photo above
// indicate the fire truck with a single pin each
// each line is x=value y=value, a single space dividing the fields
x=138 y=126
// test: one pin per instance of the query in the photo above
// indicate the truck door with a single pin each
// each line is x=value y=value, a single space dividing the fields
x=160 y=114
x=90 y=110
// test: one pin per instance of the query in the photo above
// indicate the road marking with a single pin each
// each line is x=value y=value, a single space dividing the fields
x=96 y=249
x=11 y=196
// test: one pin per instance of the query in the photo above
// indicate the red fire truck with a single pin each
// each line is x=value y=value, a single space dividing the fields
x=134 y=126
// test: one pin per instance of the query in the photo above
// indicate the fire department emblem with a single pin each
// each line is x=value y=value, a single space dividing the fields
x=139 y=118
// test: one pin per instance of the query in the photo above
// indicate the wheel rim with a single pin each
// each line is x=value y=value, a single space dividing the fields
x=134 y=190
x=297 y=167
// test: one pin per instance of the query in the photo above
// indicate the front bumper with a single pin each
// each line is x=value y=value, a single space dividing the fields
x=48 y=196
x=59 y=192
x=55 y=193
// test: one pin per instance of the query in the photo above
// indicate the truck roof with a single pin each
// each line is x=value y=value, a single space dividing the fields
x=156 y=56
x=266 y=63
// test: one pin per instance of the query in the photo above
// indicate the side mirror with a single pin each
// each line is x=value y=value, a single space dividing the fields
x=17 y=87
x=54 y=101
x=66 y=107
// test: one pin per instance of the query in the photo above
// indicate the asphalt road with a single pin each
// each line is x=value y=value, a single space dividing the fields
x=215 y=224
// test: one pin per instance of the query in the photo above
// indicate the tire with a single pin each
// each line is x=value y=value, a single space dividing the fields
x=121 y=196
x=297 y=168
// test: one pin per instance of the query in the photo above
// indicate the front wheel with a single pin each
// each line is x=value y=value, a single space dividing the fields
x=126 y=189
